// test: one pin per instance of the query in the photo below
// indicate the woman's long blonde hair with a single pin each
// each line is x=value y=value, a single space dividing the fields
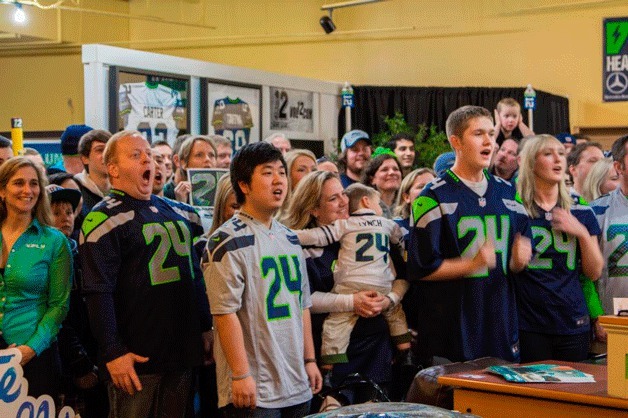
x=291 y=157
x=41 y=210
x=402 y=208
x=224 y=189
x=595 y=179
x=305 y=199
x=526 y=181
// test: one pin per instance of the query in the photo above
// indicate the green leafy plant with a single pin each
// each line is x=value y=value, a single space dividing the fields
x=429 y=142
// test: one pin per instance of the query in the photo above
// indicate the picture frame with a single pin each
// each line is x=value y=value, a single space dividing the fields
x=232 y=110
x=154 y=103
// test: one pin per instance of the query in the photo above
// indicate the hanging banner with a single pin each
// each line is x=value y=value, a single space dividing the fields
x=291 y=110
x=615 y=56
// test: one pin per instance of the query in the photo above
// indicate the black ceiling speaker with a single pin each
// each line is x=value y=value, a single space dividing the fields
x=327 y=24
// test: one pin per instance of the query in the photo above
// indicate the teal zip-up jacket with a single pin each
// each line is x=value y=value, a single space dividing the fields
x=35 y=287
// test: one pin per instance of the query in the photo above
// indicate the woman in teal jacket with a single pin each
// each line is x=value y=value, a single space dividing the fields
x=35 y=275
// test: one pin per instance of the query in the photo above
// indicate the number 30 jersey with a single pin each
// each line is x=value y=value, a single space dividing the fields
x=260 y=275
x=612 y=215
x=143 y=283
x=474 y=316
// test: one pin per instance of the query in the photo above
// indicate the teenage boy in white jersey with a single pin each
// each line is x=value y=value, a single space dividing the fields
x=259 y=296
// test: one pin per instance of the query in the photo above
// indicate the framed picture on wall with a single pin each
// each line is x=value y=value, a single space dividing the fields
x=232 y=110
x=156 y=104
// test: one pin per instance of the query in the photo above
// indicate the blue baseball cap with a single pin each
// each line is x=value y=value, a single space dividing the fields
x=71 y=137
x=350 y=138
x=444 y=162
x=566 y=138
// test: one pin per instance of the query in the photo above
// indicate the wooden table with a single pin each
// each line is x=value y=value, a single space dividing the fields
x=492 y=396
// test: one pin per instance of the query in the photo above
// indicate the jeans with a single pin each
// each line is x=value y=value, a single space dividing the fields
x=163 y=395
x=295 y=411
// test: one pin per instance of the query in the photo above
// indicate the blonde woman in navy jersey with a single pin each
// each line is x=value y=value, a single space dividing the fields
x=553 y=316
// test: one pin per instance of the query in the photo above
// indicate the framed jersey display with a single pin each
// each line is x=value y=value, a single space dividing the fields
x=156 y=104
x=233 y=111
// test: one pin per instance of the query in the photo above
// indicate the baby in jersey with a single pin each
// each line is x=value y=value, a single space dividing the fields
x=363 y=264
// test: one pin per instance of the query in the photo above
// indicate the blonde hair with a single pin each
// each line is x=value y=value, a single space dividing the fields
x=402 y=208
x=305 y=199
x=356 y=191
x=595 y=179
x=526 y=181
x=291 y=157
x=109 y=155
x=508 y=102
x=224 y=189
x=41 y=210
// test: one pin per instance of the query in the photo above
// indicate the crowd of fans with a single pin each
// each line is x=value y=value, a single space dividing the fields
x=122 y=305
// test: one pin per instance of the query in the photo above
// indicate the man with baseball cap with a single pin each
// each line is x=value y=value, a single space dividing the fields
x=71 y=161
x=355 y=147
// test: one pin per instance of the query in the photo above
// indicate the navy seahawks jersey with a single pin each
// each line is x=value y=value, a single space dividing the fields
x=189 y=213
x=549 y=295
x=474 y=316
x=142 y=282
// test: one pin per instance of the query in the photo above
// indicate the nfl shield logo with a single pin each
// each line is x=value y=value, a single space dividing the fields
x=482 y=202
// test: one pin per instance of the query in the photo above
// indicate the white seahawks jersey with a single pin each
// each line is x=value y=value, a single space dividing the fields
x=152 y=111
x=260 y=275
x=364 y=247
x=611 y=211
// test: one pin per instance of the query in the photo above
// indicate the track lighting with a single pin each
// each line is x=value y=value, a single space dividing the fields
x=327 y=23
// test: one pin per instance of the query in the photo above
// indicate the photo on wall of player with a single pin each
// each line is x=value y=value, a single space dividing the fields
x=156 y=104
x=233 y=111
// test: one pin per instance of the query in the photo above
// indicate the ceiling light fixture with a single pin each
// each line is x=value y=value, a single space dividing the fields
x=326 y=21
x=19 y=16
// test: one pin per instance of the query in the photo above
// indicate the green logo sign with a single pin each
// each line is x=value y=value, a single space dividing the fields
x=616 y=34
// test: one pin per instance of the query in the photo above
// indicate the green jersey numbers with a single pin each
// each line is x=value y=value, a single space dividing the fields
x=617 y=261
x=170 y=240
x=475 y=230
x=549 y=242
x=366 y=241
x=282 y=271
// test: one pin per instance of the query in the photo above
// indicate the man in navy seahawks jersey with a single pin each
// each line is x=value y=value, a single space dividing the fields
x=466 y=240
x=143 y=287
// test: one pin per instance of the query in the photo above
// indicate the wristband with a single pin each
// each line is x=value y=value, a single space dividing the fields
x=244 y=376
x=309 y=360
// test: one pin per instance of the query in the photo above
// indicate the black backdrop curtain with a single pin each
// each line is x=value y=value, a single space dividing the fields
x=432 y=105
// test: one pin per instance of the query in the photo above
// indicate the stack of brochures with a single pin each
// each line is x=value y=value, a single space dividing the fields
x=541 y=373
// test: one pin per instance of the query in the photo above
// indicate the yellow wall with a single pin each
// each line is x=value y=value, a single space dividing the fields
x=555 y=45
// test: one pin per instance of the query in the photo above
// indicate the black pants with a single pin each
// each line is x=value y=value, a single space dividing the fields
x=538 y=347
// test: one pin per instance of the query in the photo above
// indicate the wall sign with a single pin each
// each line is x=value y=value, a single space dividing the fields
x=615 y=60
x=291 y=110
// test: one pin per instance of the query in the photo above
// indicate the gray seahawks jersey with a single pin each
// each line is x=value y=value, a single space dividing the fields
x=260 y=275
x=611 y=211
x=365 y=240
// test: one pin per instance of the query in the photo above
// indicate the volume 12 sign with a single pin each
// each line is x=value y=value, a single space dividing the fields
x=291 y=110
x=615 y=55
